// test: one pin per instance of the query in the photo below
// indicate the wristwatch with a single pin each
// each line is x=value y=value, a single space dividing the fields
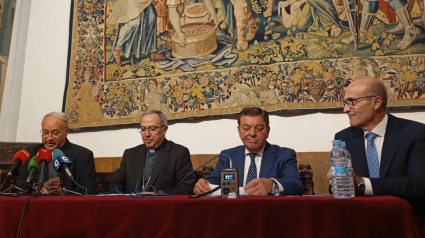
x=275 y=188
x=361 y=187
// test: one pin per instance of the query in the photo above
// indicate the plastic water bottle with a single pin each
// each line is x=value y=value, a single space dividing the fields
x=334 y=153
x=340 y=181
x=349 y=169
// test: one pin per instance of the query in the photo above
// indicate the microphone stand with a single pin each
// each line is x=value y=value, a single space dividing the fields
x=62 y=180
x=28 y=187
x=12 y=185
x=12 y=181
x=41 y=177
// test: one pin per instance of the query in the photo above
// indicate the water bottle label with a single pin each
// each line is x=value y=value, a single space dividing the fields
x=340 y=170
x=333 y=171
x=350 y=171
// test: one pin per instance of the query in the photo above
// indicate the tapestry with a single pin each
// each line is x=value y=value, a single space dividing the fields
x=7 y=16
x=210 y=58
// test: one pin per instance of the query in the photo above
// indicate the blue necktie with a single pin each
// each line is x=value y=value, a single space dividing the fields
x=252 y=172
x=372 y=156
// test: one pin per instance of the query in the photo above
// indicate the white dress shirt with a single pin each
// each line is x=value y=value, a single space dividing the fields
x=258 y=158
x=379 y=130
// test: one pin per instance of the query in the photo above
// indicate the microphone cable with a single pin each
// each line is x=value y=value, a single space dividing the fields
x=85 y=192
x=34 y=195
x=205 y=194
x=4 y=182
x=192 y=173
x=138 y=193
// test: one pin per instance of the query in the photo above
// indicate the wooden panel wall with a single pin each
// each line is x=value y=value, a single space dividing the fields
x=320 y=164
x=319 y=161
x=107 y=164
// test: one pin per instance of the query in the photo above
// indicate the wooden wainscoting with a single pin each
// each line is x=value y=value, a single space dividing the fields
x=106 y=166
x=320 y=164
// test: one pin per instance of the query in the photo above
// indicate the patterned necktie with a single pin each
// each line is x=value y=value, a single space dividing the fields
x=372 y=156
x=252 y=172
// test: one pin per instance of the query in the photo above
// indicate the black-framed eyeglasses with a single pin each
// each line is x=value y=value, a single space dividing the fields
x=151 y=129
x=352 y=101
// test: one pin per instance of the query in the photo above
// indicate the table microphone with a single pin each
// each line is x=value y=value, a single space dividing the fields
x=20 y=158
x=62 y=163
x=33 y=168
x=42 y=159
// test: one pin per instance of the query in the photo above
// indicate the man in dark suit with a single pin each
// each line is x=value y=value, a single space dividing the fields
x=53 y=134
x=388 y=153
x=264 y=168
x=158 y=162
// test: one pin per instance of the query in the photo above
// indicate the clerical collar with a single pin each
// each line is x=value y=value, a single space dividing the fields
x=154 y=150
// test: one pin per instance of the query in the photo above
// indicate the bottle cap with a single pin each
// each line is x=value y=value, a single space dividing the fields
x=336 y=142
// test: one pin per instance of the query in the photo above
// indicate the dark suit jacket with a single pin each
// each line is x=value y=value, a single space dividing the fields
x=82 y=168
x=277 y=162
x=172 y=165
x=402 y=167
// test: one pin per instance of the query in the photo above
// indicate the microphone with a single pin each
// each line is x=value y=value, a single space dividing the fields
x=42 y=159
x=33 y=168
x=62 y=163
x=20 y=158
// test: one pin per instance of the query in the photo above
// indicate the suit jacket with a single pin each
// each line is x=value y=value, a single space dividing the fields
x=402 y=167
x=277 y=162
x=172 y=165
x=82 y=168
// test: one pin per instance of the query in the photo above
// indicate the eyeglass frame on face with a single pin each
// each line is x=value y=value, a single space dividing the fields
x=55 y=133
x=151 y=129
x=353 y=101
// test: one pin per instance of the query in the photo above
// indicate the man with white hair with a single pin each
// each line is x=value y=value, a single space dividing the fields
x=54 y=130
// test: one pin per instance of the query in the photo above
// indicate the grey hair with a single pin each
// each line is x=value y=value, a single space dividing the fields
x=162 y=118
x=59 y=115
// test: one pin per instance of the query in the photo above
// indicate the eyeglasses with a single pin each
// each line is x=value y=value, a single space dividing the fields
x=352 y=101
x=55 y=133
x=151 y=129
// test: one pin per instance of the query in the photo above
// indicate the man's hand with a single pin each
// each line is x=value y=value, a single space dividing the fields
x=53 y=186
x=355 y=177
x=259 y=186
x=329 y=177
x=202 y=186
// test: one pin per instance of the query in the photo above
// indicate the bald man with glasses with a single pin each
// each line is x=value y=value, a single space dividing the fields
x=388 y=153
x=158 y=163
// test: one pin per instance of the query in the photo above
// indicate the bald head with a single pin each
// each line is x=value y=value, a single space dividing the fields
x=367 y=99
x=372 y=87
